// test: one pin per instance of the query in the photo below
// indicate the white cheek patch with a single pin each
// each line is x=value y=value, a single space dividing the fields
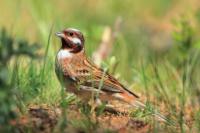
x=75 y=40
x=64 y=54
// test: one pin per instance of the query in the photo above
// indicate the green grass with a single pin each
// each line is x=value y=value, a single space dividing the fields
x=169 y=80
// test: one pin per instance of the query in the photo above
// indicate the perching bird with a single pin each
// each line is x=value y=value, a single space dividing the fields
x=81 y=77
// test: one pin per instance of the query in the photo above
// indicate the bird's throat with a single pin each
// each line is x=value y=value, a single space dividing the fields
x=63 y=54
x=73 y=48
x=65 y=44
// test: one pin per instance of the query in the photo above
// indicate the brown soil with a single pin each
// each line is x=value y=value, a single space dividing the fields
x=44 y=119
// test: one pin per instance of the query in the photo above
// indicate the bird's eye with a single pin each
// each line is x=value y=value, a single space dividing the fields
x=71 y=34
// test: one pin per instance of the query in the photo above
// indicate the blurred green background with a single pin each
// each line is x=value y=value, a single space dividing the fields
x=156 y=50
x=145 y=23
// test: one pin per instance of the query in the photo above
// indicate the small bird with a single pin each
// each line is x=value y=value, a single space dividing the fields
x=81 y=77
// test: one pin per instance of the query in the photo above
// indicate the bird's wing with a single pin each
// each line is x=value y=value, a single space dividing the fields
x=88 y=74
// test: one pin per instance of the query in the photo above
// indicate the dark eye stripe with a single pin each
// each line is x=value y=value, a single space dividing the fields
x=65 y=32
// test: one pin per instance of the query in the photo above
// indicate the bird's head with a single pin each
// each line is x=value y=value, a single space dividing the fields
x=72 y=39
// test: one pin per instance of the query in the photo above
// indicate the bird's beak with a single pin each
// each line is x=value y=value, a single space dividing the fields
x=60 y=34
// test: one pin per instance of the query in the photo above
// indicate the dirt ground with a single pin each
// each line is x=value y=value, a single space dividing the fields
x=44 y=119
x=48 y=119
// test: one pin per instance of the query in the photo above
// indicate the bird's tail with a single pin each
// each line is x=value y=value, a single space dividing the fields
x=132 y=100
x=154 y=112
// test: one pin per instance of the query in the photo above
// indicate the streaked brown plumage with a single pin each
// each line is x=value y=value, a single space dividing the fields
x=82 y=77
x=79 y=76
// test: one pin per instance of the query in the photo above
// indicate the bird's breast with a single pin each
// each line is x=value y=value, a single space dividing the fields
x=64 y=54
x=61 y=66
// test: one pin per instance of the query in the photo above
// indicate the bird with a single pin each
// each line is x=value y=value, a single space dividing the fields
x=82 y=77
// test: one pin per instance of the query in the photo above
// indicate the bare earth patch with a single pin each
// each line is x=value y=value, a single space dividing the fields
x=46 y=119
